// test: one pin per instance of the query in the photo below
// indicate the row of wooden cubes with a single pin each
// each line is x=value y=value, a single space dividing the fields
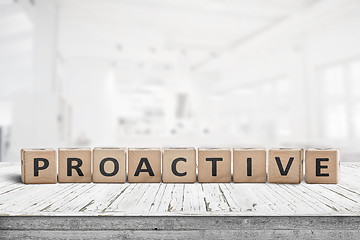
x=108 y=165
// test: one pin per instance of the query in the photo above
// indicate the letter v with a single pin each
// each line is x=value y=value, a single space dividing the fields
x=281 y=169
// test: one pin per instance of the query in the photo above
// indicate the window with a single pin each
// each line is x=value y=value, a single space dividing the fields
x=355 y=78
x=336 y=121
x=265 y=109
x=334 y=81
x=340 y=101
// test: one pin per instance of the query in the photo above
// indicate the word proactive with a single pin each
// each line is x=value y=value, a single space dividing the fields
x=178 y=165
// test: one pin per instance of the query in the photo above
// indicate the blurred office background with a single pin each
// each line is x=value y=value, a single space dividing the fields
x=179 y=73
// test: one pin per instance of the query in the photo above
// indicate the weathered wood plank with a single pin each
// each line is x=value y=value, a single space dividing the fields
x=87 y=223
x=205 y=234
x=162 y=227
x=161 y=199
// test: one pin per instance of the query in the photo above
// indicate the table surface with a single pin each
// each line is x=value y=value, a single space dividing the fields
x=161 y=199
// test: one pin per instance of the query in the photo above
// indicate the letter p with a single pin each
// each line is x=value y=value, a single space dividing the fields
x=45 y=165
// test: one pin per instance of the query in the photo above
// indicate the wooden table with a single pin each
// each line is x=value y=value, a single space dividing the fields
x=180 y=210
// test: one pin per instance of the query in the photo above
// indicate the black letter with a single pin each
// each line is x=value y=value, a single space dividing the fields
x=116 y=167
x=148 y=167
x=173 y=167
x=77 y=167
x=249 y=167
x=319 y=166
x=214 y=161
x=282 y=172
x=36 y=165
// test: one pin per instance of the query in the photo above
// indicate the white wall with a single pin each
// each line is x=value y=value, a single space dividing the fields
x=295 y=53
x=263 y=90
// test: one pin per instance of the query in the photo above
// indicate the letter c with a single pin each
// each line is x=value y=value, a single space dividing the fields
x=173 y=167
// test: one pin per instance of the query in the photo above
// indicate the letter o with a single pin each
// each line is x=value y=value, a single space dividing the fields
x=116 y=167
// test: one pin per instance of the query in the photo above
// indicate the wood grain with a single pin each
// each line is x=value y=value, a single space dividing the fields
x=327 y=168
x=112 y=161
x=288 y=157
x=137 y=158
x=197 y=199
x=180 y=227
x=186 y=166
x=83 y=160
x=46 y=173
x=214 y=171
x=179 y=211
x=254 y=171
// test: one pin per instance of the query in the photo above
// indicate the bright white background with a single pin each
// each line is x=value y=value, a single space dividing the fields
x=179 y=73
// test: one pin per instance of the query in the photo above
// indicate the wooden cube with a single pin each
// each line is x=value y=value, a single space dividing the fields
x=179 y=165
x=285 y=165
x=109 y=165
x=214 y=165
x=144 y=165
x=74 y=165
x=249 y=165
x=38 y=165
x=322 y=165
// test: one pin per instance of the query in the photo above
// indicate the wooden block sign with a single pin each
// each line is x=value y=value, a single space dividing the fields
x=322 y=165
x=109 y=165
x=144 y=165
x=38 y=166
x=214 y=165
x=179 y=165
x=249 y=165
x=285 y=165
x=74 y=165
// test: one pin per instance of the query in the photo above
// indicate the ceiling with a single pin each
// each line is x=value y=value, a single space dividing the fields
x=164 y=32
x=156 y=38
x=141 y=31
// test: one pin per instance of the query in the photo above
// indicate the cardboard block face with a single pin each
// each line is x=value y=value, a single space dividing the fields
x=322 y=166
x=74 y=165
x=249 y=165
x=109 y=165
x=144 y=165
x=285 y=165
x=179 y=165
x=214 y=165
x=38 y=166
